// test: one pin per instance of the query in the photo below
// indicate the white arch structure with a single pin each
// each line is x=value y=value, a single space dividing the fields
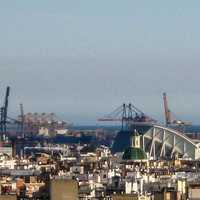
x=160 y=141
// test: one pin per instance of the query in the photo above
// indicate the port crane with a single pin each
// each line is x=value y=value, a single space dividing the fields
x=170 y=120
x=4 y=118
x=4 y=114
x=22 y=119
x=127 y=114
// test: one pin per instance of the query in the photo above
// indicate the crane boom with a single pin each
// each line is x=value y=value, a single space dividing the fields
x=128 y=114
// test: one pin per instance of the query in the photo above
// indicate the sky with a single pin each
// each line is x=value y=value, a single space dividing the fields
x=83 y=58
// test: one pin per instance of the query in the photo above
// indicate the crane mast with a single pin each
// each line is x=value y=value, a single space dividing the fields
x=6 y=110
x=169 y=116
x=167 y=111
x=4 y=114
x=22 y=119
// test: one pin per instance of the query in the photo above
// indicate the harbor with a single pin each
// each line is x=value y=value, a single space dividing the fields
x=139 y=158
x=99 y=100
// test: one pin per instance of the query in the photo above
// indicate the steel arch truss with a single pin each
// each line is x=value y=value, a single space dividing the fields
x=165 y=142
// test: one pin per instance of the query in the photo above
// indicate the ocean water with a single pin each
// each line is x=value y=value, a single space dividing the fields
x=192 y=129
x=187 y=129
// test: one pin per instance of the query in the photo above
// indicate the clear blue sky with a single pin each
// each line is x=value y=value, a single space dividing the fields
x=83 y=58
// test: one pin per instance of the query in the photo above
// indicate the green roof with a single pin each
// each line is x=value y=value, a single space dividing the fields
x=133 y=153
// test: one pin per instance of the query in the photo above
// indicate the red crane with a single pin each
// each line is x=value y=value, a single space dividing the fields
x=169 y=117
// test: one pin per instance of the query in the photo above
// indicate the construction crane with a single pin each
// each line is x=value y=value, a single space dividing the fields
x=127 y=114
x=169 y=117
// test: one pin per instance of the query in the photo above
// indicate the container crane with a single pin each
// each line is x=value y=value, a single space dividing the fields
x=127 y=114
x=4 y=114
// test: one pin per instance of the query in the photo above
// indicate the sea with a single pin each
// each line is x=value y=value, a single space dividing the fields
x=187 y=129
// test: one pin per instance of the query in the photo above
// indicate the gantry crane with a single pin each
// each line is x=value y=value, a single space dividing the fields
x=127 y=114
x=4 y=114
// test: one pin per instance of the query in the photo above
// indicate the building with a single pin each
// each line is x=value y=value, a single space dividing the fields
x=63 y=189
x=134 y=152
x=129 y=197
x=159 y=142
x=194 y=191
x=8 y=197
